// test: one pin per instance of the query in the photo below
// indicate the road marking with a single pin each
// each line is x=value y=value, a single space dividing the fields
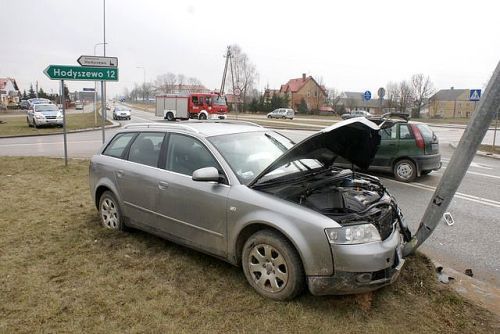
x=472 y=164
x=471 y=198
x=440 y=172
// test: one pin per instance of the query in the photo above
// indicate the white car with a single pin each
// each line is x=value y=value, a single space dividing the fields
x=78 y=105
x=44 y=114
x=120 y=112
x=282 y=113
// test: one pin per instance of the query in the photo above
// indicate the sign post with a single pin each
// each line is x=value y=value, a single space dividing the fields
x=63 y=100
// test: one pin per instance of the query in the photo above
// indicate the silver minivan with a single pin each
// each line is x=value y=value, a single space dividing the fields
x=282 y=113
x=250 y=196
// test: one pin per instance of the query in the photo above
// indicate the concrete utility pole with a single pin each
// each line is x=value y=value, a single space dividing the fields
x=103 y=83
x=459 y=163
x=95 y=89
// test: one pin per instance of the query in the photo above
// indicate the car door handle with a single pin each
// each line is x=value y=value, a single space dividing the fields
x=163 y=185
x=119 y=173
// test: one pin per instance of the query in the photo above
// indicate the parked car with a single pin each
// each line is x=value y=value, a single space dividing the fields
x=78 y=105
x=24 y=104
x=282 y=113
x=120 y=112
x=44 y=114
x=407 y=149
x=356 y=113
x=248 y=195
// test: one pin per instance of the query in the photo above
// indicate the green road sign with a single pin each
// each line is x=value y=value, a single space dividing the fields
x=64 y=72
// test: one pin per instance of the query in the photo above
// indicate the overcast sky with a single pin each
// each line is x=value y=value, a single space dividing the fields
x=352 y=45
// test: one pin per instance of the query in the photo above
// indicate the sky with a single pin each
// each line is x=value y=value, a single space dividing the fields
x=351 y=45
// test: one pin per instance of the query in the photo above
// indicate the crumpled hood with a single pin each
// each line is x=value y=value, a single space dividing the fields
x=356 y=140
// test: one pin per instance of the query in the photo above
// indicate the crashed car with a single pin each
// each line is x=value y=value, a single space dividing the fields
x=251 y=197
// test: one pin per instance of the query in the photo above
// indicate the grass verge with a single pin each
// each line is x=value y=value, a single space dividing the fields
x=488 y=148
x=17 y=125
x=61 y=272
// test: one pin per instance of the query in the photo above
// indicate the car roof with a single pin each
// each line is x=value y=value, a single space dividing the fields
x=45 y=104
x=201 y=128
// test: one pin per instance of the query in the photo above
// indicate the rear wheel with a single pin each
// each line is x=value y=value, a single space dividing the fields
x=405 y=170
x=110 y=212
x=272 y=266
x=169 y=117
x=202 y=116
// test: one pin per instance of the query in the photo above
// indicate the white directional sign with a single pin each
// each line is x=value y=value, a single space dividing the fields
x=97 y=61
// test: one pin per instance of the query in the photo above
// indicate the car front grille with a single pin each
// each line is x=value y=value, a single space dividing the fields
x=384 y=221
x=50 y=117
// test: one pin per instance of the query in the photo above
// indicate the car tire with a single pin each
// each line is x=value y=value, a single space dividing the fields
x=29 y=123
x=405 y=170
x=269 y=116
x=272 y=266
x=110 y=212
x=34 y=124
x=169 y=117
x=202 y=117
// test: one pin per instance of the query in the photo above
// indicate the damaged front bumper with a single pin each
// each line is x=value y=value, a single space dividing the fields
x=361 y=268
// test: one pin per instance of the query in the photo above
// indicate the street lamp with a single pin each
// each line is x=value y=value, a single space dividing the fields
x=95 y=87
x=143 y=83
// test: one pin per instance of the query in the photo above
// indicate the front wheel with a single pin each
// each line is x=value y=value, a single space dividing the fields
x=405 y=170
x=272 y=266
x=110 y=212
x=29 y=123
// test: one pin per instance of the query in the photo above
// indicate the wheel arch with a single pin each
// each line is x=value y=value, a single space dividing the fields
x=103 y=187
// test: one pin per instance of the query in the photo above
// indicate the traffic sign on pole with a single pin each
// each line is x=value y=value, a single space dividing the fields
x=475 y=95
x=77 y=73
x=98 y=61
x=367 y=95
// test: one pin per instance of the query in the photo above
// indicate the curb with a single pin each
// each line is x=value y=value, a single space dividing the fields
x=479 y=292
x=454 y=145
x=112 y=126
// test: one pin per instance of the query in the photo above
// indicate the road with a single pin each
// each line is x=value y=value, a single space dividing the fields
x=471 y=243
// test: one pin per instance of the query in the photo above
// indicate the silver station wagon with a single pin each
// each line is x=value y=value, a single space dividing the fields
x=251 y=197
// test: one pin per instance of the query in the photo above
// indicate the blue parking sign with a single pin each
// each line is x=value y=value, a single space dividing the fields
x=367 y=95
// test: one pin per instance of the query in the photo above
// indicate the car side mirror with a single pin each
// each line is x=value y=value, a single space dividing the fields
x=206 y=174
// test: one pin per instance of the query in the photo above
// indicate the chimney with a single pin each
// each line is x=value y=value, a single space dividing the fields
x=303 y=77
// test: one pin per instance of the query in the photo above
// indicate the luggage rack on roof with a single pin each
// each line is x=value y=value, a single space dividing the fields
x=161 y=125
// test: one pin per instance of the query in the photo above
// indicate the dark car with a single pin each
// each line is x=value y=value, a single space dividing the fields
x=24 y=104
x=407 y=149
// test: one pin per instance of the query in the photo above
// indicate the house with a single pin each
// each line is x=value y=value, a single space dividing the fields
x=451 y=103
x=352 y=101
x=9 y=92
x=306 y=88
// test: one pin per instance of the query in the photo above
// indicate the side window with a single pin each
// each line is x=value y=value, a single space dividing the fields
x=389 y=133
x=118 y=144
x=195 y=100
x=404 y=132
x=146 y=148
x=187 y=154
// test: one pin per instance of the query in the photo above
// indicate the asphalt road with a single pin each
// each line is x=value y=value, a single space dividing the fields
x=471 y=243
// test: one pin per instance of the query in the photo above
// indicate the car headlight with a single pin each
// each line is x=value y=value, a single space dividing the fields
x=353 y=234
x=59 y=115
x=39 y=116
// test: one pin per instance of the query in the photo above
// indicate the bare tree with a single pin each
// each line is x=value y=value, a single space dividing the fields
x=165 y=83
x=422 y=89
x=244 y=72
x=392 y=94
x=194 y=82
x=405 y=96
x=181 y=80
x=333 y=97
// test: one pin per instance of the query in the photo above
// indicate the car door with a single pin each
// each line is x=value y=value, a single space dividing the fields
x=138 y=176
x=388 y=149
x=192 y=211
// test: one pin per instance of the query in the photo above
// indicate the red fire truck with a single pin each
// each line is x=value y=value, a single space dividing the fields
x=194 y=105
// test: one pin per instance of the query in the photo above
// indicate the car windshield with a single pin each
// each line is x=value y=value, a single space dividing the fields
x=249 y=153
x=45 y=108
x=219 y=100
x=120 y=108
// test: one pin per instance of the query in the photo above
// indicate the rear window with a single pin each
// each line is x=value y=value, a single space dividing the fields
x=426 y=131
x=118 y=145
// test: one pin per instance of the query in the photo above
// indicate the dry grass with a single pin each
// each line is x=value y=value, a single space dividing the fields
x=61 y=272
x=17 y=126
x=489 y=148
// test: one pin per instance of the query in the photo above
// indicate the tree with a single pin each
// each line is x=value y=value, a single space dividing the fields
x=333 y=98
x=244 y=73
x=254 y=105
x=392 y=94
x=405 y=96
x=25 y=96
x=165 y=83
x=42 y=94
x=31 y=92
x=422 y=89
x=303 y=107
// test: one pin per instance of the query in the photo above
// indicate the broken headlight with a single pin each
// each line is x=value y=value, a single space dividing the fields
x=353 y=234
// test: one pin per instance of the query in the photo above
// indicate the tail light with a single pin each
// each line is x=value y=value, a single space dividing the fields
x=418 y=136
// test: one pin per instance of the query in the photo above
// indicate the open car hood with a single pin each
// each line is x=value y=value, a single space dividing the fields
x=355 y=139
